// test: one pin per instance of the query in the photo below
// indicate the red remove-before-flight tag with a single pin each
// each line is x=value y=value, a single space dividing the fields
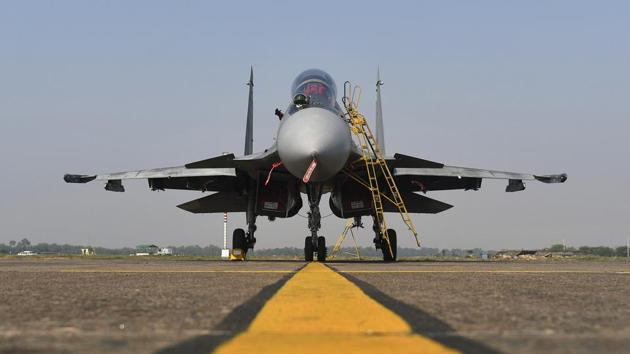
x=309 y=171
x=273 y=167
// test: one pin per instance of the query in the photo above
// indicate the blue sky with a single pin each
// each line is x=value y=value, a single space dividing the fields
x=106 y=86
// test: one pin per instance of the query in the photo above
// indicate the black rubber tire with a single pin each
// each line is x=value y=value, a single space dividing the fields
x=321 y=249
x=238 y=239
x=387 y=257
x=308 y=249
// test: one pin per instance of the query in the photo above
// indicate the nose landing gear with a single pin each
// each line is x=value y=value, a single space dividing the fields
x=314 y=243
x=319 y=248
x=308 y=249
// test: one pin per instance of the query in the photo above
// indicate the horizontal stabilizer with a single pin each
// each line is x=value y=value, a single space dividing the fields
x=417 y=204
x=223 y=161
x=406 y=161
x=217 y=203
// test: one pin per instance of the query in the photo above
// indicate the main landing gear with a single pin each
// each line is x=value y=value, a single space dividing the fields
x=389 y=251
x=390 y=255
x=314 y=243
x=241 y=242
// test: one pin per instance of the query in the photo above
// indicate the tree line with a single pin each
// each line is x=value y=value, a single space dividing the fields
x=14 y=247
x=602 y=251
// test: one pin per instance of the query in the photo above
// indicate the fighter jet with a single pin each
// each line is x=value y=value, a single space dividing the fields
x=311 y=155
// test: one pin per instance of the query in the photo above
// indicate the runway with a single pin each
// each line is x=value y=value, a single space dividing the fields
x=145 y=305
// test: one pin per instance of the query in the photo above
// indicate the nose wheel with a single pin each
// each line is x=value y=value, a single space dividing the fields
x=308 y=249
x=319 y=247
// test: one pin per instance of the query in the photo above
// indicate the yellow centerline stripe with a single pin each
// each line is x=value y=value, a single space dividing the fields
x=320 y=311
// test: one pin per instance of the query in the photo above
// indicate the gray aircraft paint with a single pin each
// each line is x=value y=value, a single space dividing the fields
x=314 y=133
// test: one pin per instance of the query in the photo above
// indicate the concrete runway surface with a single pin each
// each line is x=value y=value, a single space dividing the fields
x=144 y=305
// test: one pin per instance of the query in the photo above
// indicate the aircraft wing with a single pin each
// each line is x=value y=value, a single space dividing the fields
x=217 y=173
x=414 y=174
x=165 y=172
x=179 y=175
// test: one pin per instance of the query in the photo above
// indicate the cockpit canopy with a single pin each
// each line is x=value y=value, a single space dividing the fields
x=317 y=87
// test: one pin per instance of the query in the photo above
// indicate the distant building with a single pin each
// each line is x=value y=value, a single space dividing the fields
x=88 y=251
x=27 y=253
x=166 y=251
x=147 y=250
x=152 y=250
x=531 y=254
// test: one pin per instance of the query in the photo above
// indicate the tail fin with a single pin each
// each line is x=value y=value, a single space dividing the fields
x=380 y=133
x=249 y=128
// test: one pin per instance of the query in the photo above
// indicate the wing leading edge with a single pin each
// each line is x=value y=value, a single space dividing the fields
x=422 y=175
x=179 y=177
x=165 y=172
x=213 y=174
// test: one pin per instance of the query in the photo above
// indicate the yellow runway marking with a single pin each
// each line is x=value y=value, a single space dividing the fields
x=319 y=311
x=172 y=271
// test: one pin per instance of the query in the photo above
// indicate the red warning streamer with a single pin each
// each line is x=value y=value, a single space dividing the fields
x=309 y=171
x=273 y=167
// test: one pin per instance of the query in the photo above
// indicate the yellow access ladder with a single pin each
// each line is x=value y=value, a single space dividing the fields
x=375 y=162
x=348 y=228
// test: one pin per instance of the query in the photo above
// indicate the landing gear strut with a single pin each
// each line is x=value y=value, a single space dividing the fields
x=314 y=243
x=250 y=215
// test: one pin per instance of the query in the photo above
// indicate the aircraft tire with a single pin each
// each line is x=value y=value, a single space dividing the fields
x=321 y=249
x=238 y=239
x=308 y=249
x=387 y=257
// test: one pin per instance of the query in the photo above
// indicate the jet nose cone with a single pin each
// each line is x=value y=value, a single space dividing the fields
x=314 y=134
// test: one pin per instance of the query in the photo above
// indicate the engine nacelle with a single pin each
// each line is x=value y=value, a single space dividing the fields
x=349 y=199
x=279 y=197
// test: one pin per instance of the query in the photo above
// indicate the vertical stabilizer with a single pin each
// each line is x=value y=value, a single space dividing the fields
x=249 y=128
x=380 y=133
